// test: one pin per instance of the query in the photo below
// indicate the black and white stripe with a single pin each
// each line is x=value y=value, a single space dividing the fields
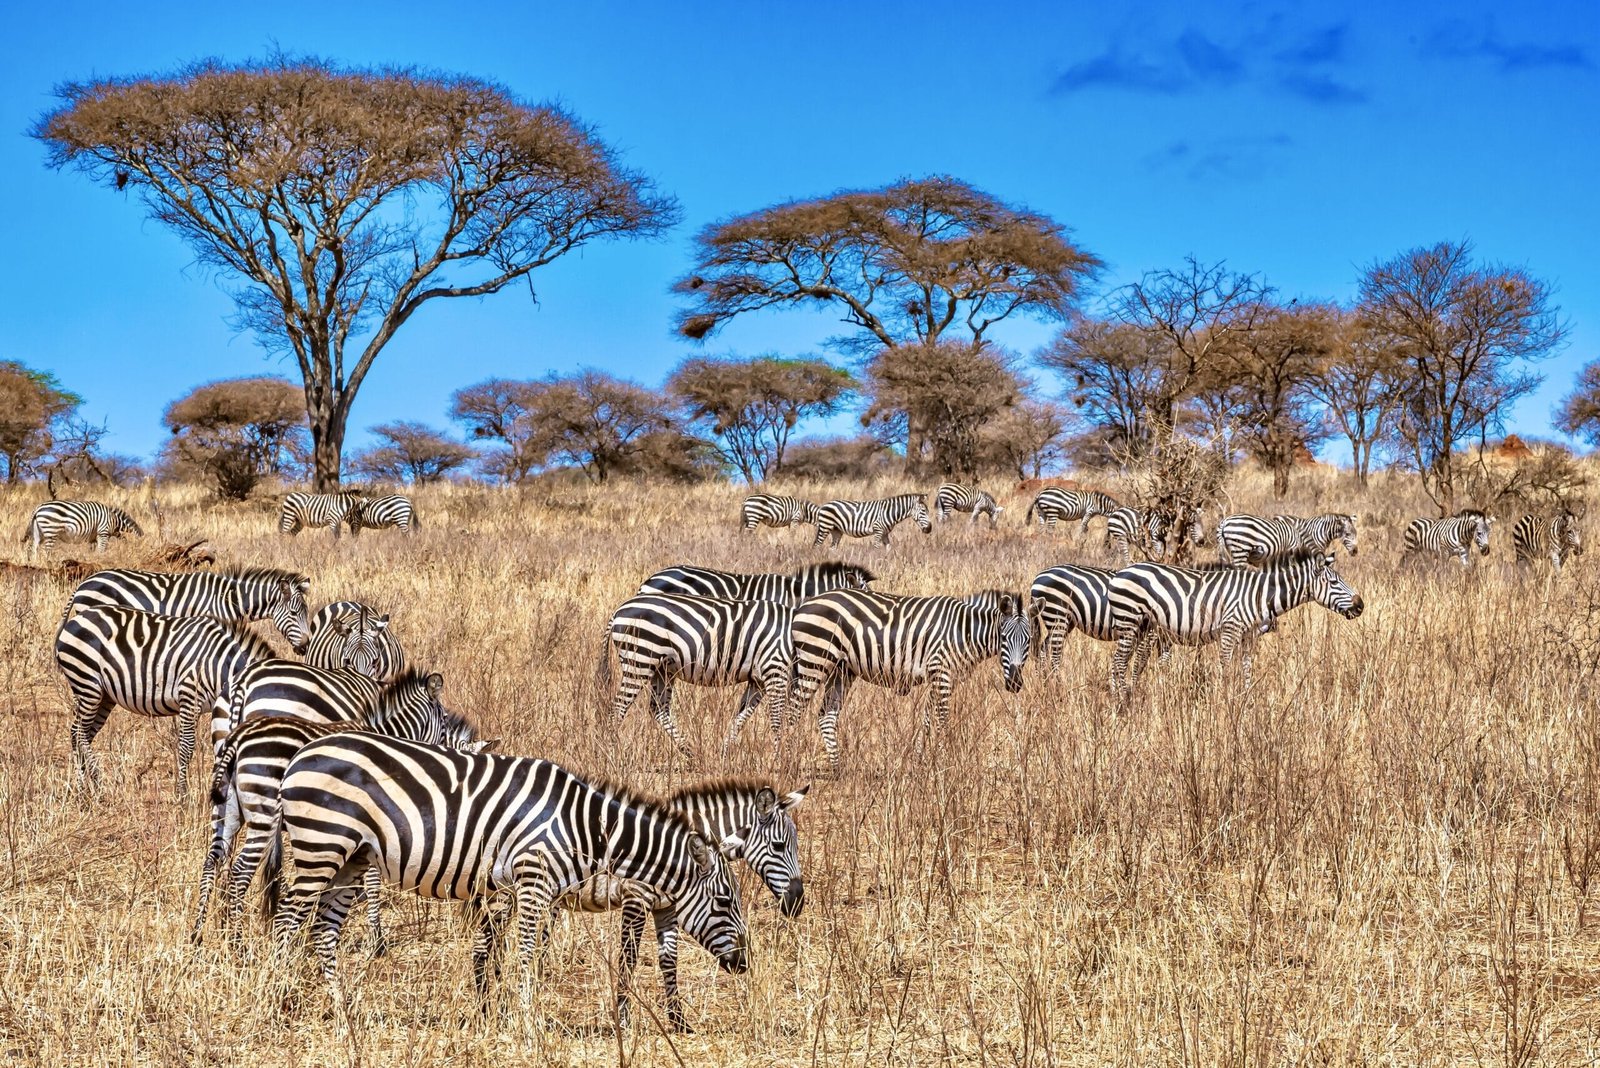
x=1067 y=598
x=151 y=664
x=769 y=509
x=78 y=521
x=1154 y=604
x=466 y=827
x=1554 y=538
x=353 y=635
x=231 y=596
x=955 y=498
x=1130 y=528
x=662 y=639
x=320 y=510
x=901 y=642
x=378 y=513
x=790 y=588
x=1243 y=539
x=1455 y=536
x=1054 y=503
x=871 y=519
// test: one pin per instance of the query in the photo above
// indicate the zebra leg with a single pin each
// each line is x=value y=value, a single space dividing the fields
x=748 y=702
x=372 y=890
x=1055 y=642
x=331 y=912
x=90 y=715
x=224 y=828
x=828 y=717
x=100 y=542
x=189 y=704
x=633 y=681
x=939 y=686
x=1127 y=640
x=535 y=895
x=628 y=958
x=1141 y=654
x=487 y=942
x=661 y=707
x=776 y=690
x=259 y=832
x=666 y=922
x=883 y=537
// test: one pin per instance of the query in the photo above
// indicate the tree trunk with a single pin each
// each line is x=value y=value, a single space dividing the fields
x=327 y=445
x=1280 y=478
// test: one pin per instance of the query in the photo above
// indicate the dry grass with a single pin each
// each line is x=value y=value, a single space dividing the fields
x=1382 y=853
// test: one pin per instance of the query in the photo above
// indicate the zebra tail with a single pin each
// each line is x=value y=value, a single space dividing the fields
x=602 y=669
x=272 y=872
x=1029 y=517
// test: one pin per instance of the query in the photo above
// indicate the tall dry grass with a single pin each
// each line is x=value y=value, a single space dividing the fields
x=1384 y=852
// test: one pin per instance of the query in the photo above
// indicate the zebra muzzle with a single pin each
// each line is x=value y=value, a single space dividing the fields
x=737 y=960
x=794 y=898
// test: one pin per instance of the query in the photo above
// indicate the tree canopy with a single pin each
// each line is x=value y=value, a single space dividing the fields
x=238 y=430
x=33 y=405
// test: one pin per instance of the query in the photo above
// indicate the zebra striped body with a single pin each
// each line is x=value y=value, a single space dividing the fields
x=249 y=773
x=78 y=521
x=151 y=664
x=1553 y=538
x=320 y=510
x=953 y=498
x=1456 y=536
x=901 y=642
x=1054 y=504
x=351 y=634
x=767 y=509
x=1129 y=528
x=378 y=513
x=467 y=826
x=233 y=596
x=1155 y=603
x=1067 y=598
x=664 y=638
x=870 y=519
x=1243 y=539
x=789 y=589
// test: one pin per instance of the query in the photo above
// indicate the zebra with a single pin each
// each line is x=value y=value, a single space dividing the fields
x=774 y=511
x=788 y=589
x=1553 y=538
x=351 y=634
x=249 y=771
x=901 y=642
x=78 y=521
x=377 y=513
x=871 y=519
x=1127 y=528
x=1456 y=535
x=1241 y=536
x=471 y=827
x=239 y=595
x=320 y=510
x=664 y=638
x=951 y=497
x=1055 y=503
x=1065 y=598
x=1157 y=603
x=151 y=664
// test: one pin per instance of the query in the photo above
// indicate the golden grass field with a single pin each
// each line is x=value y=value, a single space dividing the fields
x=1381 y=853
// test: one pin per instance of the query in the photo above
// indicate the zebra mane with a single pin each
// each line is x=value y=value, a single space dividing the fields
x=720 y=788
x=1300 y=554
x=409 y=676
x=1472 y=513
x=628 y=797
x=833 y=569
x=247 y=637
x=275 y=574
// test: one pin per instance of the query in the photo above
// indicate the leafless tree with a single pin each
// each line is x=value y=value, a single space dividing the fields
x=1115 y=375
x=1579 y=414
x=593 y=421
x=1025 y=440
x=1358 y=386
x=499 y=410
x=411 y=451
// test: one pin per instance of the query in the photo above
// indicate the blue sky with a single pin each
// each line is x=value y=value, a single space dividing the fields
x=1301 y=145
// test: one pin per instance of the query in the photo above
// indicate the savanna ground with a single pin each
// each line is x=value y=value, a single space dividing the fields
x=1382 y=852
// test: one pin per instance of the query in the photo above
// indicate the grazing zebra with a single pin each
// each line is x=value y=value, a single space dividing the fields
x=664 y=638
x=1054 y=504
x=377 y=513
x=1127 y=528
x=1467 y=529
x=350 y=634
x=901 y=642
x=954 y=498
x=1554 y=539
x=466 y=827
x=1066 y=598
x=871 y=519
x=232 y=596
x=320 y=510
x=774 y=511
x=78 y=521
x=151 y=664
x=288 y=688
x=1239 y=537
x=249 y=772
x=1155 y=603
x=789 y=589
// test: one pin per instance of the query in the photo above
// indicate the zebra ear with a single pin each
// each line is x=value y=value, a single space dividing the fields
x=731 y=847
x=766 y=801
x=699 y=853
x=1327 y=561
x=1008 y=606
x=483 y=745
x=792 y=801
x=379 y=622
x=303 y=582
x=435 y=683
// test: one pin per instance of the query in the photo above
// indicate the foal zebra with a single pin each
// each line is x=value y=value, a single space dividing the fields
x=1054 y=504
x=1456 y=535
x=78 y=521
x=953 y=498
x=379 y=513
x=664 y=638
x=350 y=634
x=901 y=642
x=1127 y=528
x=1241 y=537
x=1156 y=604
x=789 y=589
x=771 y=510
x=154 y=665
x=232 y=596
x=463 y=827
x=871 y=519
x=320 y=510
x=1553 y=538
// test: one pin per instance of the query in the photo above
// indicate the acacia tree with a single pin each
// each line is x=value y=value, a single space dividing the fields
x=343 y=200
x=1464 y=334
x=935 y=399
x=593 y=420
x=1579 y=414
x=751 y=406
x=903 y=264
x=1025 y=439
x=237 y=431
x=1114 y=375
x=1358 y=387
x=411 y=451
x=33 y=408
x=498 y=409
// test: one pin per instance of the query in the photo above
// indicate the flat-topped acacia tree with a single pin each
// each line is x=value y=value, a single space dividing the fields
x=342 y=200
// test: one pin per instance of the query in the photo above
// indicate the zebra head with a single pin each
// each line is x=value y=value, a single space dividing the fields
x=359 y=633
x=456 y=733
x=1194 y=528
x=287 y=610
x=709 y=908
x=1331 y=591
x=1480 y=528
x=771 y=846
x=1567 y=535
x=1344 y=527
x=919 y=512
x=126 y=525
x=1016 y=637
x=1155 y=532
